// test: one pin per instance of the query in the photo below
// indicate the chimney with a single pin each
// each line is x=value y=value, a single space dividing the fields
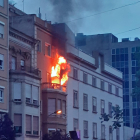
x=39 y=15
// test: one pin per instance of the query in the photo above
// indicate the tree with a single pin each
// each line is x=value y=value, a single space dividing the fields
x=56 y=136
x=6 y=128
x=116 y=115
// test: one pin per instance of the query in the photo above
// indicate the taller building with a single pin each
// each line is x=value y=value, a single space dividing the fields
x=121 y=56
x=4 y=49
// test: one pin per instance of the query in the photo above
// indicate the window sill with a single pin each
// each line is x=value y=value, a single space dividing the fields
x=18 y=134
x=85 y=109
x=17 y=102
x=75 y=107
x=86 y=137
x=32 y=135
x=30 y=104
x=95 y=112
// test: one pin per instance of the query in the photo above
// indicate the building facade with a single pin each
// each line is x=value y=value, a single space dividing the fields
x=4 y=67
x=24 y=86
x=93 y=88
x=121 y=56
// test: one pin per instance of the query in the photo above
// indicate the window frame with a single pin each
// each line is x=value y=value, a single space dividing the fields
x=86 y=109
x=102 y=85
x=75 y=119
x=46 y=49
x=16 y=125
x=2 y=66
x=75 y=73
x=74 y=91
x=86 y=136
x=110 y=109
x=117 y=91
x=2 y=35
x=102 y=112
x=94 y=111
x=94 y=81
x=2 y=5
x=102 y=136
x=117 y=134
x=85 y=77
x=2 y=93
x=110 y=88
x=110 y=137
x=94 y=137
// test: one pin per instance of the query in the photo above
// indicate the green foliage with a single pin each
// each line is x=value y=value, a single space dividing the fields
x=117 y=116
x=6 y=128
x=56 y=136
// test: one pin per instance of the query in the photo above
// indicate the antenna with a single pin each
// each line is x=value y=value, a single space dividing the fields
x=39 y=15
x=23 y=5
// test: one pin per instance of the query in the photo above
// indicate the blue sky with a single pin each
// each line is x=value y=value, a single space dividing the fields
x=66 y=10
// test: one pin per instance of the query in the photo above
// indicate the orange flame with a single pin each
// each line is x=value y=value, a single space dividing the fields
x=60 y=70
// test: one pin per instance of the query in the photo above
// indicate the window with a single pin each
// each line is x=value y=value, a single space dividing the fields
x=75 y=124
x=109 y=88
x=13 y=63
x=28 y=124
x=1 y=95
x=94 y=81
x=18 y=123
x=1 y=62
x=22 y=64
x=17 y=92
x=47 y=49
x=117 y=91
x=84 y=77
x=51 y=106
x=48 y=77
x=85 y=128
x=64 y=107
x=110 y=133
x=102 y=106
x=35 y=125
x=28 y=92
x=110 y=109
x=75 y=73
x=85 y=101
x=35 y=92
x=58 y=104
x=75 y=98
x=117 y=134
x=102 y=85
x=102 y=131
x=1 y=30
x=40 y=106
x=94 y=130
x=39 y=46
x=113 y=51
x=94 y=104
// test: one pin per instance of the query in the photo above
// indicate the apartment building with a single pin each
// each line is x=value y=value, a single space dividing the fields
x=121 y=56
x=24 y=86
x=93 y=88
x=4 y=59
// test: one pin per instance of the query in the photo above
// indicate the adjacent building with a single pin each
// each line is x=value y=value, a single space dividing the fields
x=4 y=58
x=121 y=56
x=93 y=88
x=24 y=86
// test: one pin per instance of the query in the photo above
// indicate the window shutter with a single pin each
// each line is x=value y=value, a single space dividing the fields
x=1 y=26
x=28 y=91
x=64 y=107
x=28 y=123
x=51 y=106
x=35 y=123
x=17 y=120
x=35 y=93
x=17 y=90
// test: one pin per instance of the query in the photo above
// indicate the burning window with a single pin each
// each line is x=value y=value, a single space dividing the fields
x=60 y=70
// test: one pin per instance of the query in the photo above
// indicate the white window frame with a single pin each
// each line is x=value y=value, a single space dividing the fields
x=85 y=77
x=110 y=109
x=102 y=134
x=85 y=129
x=94 y=131
x=117 y=91
x=2 y=25
x=109 y=88
x=102 y=85
x=110 y=133
x=102 y=108
x=46 y=51
x=93 y=81
x=2 y=59
x=74 y=125
x=75 y=73
x=75 y=102
x=2 y=93
x=94 y=107
x=85 y=105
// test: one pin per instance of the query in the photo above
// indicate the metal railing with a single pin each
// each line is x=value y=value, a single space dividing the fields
x=18 y=67
x=54 y=86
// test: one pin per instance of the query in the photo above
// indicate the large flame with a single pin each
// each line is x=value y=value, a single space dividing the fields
x=60 y=71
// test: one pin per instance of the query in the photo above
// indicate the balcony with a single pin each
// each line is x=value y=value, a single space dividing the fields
x=53 y=86
x=17 y=67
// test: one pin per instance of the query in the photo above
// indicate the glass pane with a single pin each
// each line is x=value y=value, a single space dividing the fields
x=113 y=51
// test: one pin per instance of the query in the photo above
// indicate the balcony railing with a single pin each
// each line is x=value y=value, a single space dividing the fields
x=18 y=67
x=53 y=86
